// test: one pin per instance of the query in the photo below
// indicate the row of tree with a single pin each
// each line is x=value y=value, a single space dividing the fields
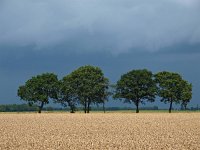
x=87 y=86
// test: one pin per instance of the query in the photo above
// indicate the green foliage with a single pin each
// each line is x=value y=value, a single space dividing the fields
x=186 y=94
x=17 y=108
x=136 y=86
x=38 y=90
x=89 y=85
x=172 y=88
x=67 y=94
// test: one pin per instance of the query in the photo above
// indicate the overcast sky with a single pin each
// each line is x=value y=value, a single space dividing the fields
x=39 y=36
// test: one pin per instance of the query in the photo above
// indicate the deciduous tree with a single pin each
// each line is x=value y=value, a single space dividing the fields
x=89 y=84
x=186 y=94
x=67 y=94
x=39 y=89
x=172 y=88
x=136 y=86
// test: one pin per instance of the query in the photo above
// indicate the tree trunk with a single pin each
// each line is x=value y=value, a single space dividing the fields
x=185 y=106
x=72 y=109
x=137 y=106
x=88 y=107
x=40 y=107
x=170 y=107
x=85 y=107
x=39 y=111
x=104 y=110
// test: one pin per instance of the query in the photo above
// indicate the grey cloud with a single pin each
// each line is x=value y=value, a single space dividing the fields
x=115 y=26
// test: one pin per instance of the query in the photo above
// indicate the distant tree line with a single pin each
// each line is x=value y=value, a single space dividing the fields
x=17 y=108
x=28 y=108
x=87 y=86
x=24 y=108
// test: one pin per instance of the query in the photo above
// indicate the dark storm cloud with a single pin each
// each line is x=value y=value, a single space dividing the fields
x=115 y=26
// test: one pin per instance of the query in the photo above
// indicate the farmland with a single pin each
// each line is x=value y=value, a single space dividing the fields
x=100 y=131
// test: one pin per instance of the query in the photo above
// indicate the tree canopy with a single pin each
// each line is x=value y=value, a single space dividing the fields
x=67 y=94
x=172 y=88
x=186 y=94
x=39 y=89
x=136 y=86
x=89 y=85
